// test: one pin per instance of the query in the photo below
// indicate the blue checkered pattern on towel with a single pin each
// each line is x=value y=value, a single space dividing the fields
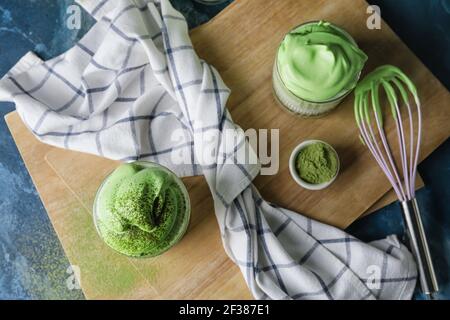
x=132 y=82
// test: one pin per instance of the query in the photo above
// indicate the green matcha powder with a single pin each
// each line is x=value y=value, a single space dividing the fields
x=317 y=163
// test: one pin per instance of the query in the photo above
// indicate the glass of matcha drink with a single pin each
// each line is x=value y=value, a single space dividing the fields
x=141 y=209
x=316 y=66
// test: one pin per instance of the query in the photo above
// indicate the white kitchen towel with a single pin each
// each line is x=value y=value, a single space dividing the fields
x=134 y=88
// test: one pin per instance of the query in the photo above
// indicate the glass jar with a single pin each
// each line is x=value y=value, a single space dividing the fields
x=298 y=105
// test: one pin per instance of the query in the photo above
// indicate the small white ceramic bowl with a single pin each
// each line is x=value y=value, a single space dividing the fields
x=295 y=174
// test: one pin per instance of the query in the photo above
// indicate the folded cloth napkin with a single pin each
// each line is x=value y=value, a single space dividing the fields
x=134 y=88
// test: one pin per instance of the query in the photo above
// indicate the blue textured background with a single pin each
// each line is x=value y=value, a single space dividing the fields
x=32 y=262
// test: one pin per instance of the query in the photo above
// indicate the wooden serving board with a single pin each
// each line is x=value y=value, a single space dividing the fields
x=241 y=43
x=245 y=59
x=200 y=266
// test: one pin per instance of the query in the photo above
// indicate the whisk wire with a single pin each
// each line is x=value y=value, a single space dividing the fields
x=379 y=122
x=363 y=118
x=401 y=136
x=404 y=95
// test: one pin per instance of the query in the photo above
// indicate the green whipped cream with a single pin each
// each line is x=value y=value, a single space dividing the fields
x=140 y=210
x=317 y=163
x=318 y=62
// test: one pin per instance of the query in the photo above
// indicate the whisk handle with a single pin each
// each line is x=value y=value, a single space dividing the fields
x=419 y=246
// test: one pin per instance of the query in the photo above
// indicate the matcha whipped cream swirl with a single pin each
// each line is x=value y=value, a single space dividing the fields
x=141 y=210
x=319 y=62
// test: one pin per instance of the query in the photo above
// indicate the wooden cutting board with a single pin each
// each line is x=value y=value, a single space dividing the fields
x=197 y=268
x=200 y=266
x=240 y=42
x=245 y=58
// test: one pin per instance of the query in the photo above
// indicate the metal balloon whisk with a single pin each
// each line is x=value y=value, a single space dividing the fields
x=401 y=171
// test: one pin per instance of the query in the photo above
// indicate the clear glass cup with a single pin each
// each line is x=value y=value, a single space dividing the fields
x=302 y=107
x=181 y=223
